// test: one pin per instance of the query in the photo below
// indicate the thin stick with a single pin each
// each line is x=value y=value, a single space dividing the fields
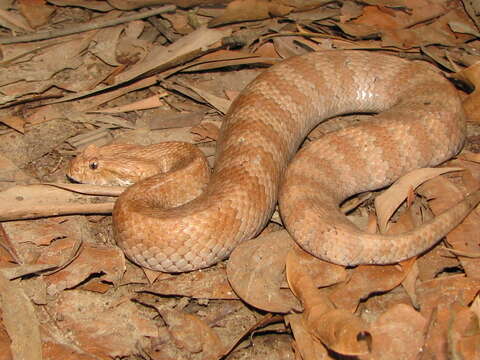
x=85 y=27
x=40 y=211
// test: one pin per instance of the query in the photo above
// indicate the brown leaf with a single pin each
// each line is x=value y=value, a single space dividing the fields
x=87 y=4
x=14 y=21
x=143 y=104
x=245 y=10
x=10 y=174
x=365 y=280
x=446 y=290
x=350 y=10
x=108 y=261
x=395 y=328
x=390 y=199
x=471 y=104
x=191 y=333
x=54 y=351
x=256 y=272
x=5 y=342
x=182 y=50
x=206 y=131
x=465 y=237
x=453 y=333
x=410 y=281
x=305 y=344
x=322 y=272
x=36 y=12
x=464 y=333
x=208 y=284
x=15 y=122
x=387 y=18
x=20 y=321
x=437 y=32
x=99 y=326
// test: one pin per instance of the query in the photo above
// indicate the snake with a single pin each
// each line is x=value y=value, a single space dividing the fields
x=175 y=220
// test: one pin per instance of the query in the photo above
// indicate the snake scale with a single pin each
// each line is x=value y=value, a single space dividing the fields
x=175 y=223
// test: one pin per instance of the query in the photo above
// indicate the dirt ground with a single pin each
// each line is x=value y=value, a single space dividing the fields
x=75 y=73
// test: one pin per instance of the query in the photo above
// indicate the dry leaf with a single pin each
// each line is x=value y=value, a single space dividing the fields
x=87 y=4
x=206 y=131
x=143 y=104
x=446 y=290
x=36 y=12
x=398 y=326
x=99 y=326
x=390 y=200
x=108 y=261
x=305 y=344
x=465 y=237
x=191 y=333
x=245 y=10
x=13 y=21
x=255 y=271
x=207 y=284
x=15 y=122
x=182 y=50
x=365 y=280
x=464 y=333
x=449 y=324
x=20 y=321
x=471 y=104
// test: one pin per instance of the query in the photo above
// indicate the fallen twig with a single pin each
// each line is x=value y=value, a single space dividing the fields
x=85 y=27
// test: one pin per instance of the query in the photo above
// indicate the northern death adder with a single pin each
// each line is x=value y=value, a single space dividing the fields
x=420 y=123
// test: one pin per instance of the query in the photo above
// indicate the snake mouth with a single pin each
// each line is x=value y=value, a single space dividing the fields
x=73 y=180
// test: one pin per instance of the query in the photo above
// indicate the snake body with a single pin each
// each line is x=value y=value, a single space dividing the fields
x=420 y=123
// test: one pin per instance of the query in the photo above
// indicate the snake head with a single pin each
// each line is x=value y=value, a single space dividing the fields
x=87 y=167
x=105 y=165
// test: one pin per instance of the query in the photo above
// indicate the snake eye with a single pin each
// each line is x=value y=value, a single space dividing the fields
x=93 y=165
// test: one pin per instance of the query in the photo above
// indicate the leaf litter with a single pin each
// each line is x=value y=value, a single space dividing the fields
x=75 y=73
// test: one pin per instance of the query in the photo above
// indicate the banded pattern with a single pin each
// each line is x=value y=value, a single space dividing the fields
x=420 y=123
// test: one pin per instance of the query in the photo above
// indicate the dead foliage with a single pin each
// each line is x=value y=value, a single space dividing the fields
x=77 y=72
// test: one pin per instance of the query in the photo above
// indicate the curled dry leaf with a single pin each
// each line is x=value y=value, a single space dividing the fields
x=471 y=104
x=390 y=200
x=337 y=329
x=108 y=261
x=453 y=333
x=446 y=291
x=470 y=156
x=206 y=131
x=322 y=272
x=192 y=334
x=475 y=306
x=398 y=326
x=35 y=12
x=464 y=333
x=207 y=284
x=368 y=279
x=305 y=344
x=465 y=237
x=256 y=271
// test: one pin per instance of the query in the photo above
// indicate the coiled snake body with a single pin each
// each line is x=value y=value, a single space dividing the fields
x=420 y=123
